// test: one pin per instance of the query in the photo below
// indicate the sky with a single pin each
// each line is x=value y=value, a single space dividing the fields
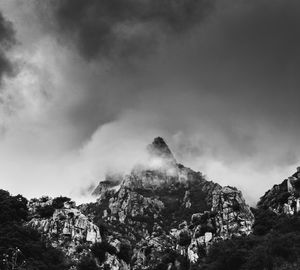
x=85 y=86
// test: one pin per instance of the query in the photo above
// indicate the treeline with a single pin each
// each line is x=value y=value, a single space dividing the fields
x=20 y=246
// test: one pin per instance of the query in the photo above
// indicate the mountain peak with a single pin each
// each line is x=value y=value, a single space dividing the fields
x=159 y=148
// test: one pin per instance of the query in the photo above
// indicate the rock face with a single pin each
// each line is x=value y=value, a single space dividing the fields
x=233 y=216
x=163 y=207
x=106 y=188
x=285 y=197
x=66 y=228
x=229 y=216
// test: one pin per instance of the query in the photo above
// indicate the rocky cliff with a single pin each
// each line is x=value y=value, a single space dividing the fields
x=167 y=213
x=62 y=225
x=284 y=197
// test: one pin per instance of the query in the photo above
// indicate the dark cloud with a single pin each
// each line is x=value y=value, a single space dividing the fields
x=239 y=67
x=7 y=40
x=122 y=28
x=119 y=35
x=221 y=85
x=257 y=61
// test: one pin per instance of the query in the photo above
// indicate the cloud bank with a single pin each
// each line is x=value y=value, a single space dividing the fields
x=116 y=28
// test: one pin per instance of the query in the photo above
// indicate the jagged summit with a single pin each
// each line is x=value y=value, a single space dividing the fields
x=162 y=206
x=160 y=157
x=160 y=162
x=159 y=148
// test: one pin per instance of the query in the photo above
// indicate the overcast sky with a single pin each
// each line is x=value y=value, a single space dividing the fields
x=85 y=85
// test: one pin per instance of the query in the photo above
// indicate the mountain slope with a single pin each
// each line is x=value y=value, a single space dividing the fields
x=162 y=207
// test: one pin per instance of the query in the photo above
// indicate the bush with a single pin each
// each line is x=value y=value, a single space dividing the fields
x=46 y=211
x=99 y=250
x=14 y=235
x=265 y=220
x=58 y=202
x=297 y=184
x=184 y=239
x=12 y=208
x=236 y=206
x=125 y=253
x=259 y=259
x=87 y=263
x=283 y=197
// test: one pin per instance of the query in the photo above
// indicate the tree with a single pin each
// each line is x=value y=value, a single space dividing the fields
x=58 y=202
x=19 y=243
x=99 y=250
x=87 y=263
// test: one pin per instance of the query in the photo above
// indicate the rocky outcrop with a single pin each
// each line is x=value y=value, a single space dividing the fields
x=106 y=188
x=285 y=197
x=229 y=216
x=66 y=228
x=110 y=184
x=233 y=215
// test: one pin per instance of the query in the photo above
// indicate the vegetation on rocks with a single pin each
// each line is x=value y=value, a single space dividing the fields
x=20 y=246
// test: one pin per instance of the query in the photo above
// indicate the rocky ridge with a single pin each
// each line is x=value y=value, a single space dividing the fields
x=166 y=207
x=283 y=198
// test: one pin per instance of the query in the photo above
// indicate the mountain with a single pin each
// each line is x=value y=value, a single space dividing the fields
x=162 y=215
x=163 y=207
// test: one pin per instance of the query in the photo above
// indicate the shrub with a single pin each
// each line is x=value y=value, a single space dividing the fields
x=283 y=197
x=297 y=184
x=58 y=202
x=184 y=239
x=125 y=253
x=87 y=263
x=236 y=206
x=12 y=208
x=46 y=211
x=99 y=250
x=13 y=234
x=265 y=220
